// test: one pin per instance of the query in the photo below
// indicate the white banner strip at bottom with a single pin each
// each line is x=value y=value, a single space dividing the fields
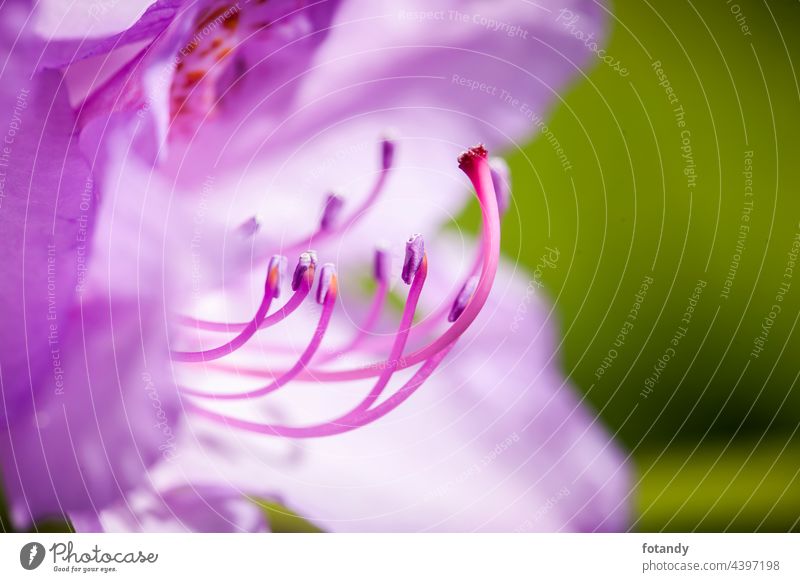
x=390 y=557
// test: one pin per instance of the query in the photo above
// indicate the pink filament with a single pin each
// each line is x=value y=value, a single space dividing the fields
x=242 y=338
x=477 y=169
x=320 y=235
x=288 y=376
x=393 y=363
x=356 y=418
x=374 y=313
x=436 y=317
x=362 y=414
x=480 y=175
x=289 y=307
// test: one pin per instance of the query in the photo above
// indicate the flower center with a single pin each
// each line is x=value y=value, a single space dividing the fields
x=203 y=60
x=215 y=56
x=466 y=306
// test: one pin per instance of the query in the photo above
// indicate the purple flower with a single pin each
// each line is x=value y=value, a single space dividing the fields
x=161 y=366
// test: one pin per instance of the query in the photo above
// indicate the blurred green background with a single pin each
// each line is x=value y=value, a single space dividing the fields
x=715 y=442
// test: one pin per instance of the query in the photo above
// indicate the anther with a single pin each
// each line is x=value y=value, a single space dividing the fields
x=387 y=151
x=306 y=262
x=460 y=304
x=383 y=265
x=327 y=282
x=415 y=251
x=331 y=211
x=501 y=180
x=276 y=274
x=250 y=226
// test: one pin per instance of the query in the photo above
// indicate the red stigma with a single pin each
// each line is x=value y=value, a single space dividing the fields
x=467 y=158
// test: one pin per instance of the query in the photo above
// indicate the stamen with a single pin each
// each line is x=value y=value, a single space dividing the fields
x=382 y=270
x=463 y=299
x=473 y=163
x=328 y=300
x=435 y=318
x=250 y=227
x=383 y=265
x=465 y=308
x=393 y=362
x=415 y=250
x=331 y=211
x=321 y=234
x=361 y=414
x=387 y=152
x=277 y=264
x=289 y=307
x=308 y=261
x=327 y=283
x=353 y=420
x=273 y=278
x=501 y=180
x=300 y=293
x=432 y=320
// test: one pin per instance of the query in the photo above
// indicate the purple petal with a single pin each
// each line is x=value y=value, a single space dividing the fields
x=192 y=508
x=46 y=208
x=105 y=410
x=86 y=385
x=86 y=18
x=94 y=28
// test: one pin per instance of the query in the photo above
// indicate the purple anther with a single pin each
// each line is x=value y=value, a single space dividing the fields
x=250 y=226
x=383 y=265
x=415 y=251
x=277 y=265
x=327 y=282
x=306 y=261
x=501 y=180
x=460 y=304
x=387 y=152
x=331 y=211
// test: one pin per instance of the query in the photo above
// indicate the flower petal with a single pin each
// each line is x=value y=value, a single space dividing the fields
x=95 y=404
x=56 y=19
x=46 y=206
x=104 y=411
x=193 y=508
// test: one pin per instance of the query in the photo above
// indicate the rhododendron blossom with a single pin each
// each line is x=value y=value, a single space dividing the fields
x=227 y=278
